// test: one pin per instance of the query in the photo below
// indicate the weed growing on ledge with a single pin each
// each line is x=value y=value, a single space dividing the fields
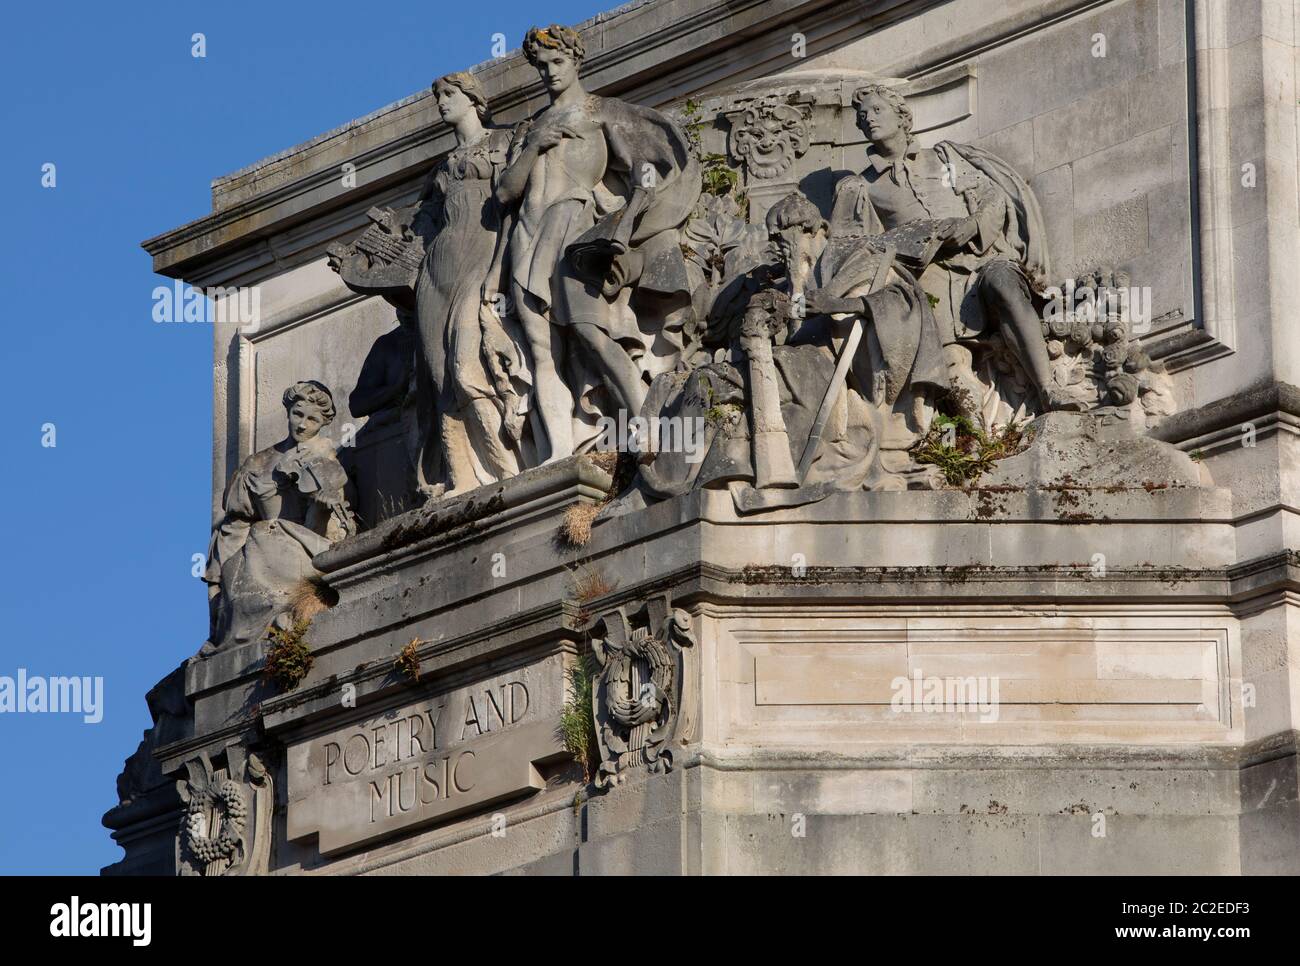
x=288 y=659
x=309 y=598
x=962 y=450
x=577 y=721
x=588 y=584
x=575 y=527
x=716 y=176
x=408 y=661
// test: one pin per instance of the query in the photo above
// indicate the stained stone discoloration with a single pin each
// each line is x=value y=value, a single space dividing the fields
x=815 y=262
x=1088 y=453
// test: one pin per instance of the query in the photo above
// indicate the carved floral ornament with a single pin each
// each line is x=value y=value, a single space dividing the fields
x=770 y=135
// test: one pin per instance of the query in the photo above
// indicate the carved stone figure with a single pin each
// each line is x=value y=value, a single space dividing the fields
x=284 y=505
x=601 y=188
x=633 y=291
x=393 y=385
x=832 y=418
x=172 y=720
x=389 y=392
x=471 y=358
x=991 y=260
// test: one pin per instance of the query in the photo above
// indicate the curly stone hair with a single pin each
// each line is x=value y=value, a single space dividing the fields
x=794 y=211
x=890 y=97
x=467 y=84
x=314 y=394
x=554 y=37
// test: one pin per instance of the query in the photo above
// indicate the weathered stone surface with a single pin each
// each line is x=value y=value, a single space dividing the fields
x=816 y=262
x=1071 y=450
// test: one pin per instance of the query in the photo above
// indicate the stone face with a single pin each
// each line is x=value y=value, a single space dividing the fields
x=950 y=519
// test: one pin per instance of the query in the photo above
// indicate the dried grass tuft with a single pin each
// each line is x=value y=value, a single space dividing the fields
x=606 y=460
x=309 y=598
x=575 y=528
x=408 y=660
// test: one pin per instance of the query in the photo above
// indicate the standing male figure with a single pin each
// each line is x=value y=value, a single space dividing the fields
x=993 y=256
x=623 y=177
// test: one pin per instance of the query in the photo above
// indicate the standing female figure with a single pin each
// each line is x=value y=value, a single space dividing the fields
x=469 y=355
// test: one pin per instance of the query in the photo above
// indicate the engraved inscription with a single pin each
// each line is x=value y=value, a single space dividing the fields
x=449 y=754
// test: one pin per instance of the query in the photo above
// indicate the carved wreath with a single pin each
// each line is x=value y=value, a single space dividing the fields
x=226 y=797
x=629 y=709
x=635 y=725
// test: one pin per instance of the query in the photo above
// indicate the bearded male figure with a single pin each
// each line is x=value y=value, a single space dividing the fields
x=893 y=374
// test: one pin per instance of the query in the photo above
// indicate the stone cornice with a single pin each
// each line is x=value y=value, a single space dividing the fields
x=626 y=46
x=1263 y=400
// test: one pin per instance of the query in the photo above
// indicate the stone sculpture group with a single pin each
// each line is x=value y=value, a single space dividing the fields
x=586 y=267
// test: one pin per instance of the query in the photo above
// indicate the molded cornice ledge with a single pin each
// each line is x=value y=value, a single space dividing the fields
x=1265 y=399
x=626 y=47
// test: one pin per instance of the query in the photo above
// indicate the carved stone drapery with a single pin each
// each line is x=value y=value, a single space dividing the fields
x=984 y=351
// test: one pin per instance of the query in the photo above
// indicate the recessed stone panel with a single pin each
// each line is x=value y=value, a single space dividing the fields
x=426 y=761
x=877 y=679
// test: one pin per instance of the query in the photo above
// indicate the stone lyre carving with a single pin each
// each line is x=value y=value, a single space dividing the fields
x=226 y=826
x=637 y=695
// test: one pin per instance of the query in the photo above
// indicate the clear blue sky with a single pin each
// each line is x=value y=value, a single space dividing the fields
x=97 y=532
